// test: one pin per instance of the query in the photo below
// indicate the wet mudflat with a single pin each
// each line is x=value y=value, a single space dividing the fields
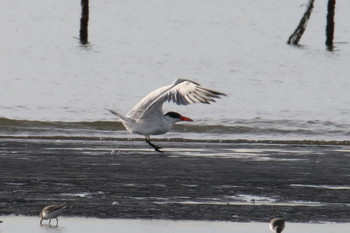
x=189 y=181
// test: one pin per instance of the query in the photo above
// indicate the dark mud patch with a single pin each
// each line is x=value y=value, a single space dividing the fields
x=191 y=181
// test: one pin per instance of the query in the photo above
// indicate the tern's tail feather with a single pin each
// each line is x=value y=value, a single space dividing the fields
x=118 y=115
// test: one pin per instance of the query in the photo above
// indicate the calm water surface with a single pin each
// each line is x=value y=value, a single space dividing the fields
x=274 y=91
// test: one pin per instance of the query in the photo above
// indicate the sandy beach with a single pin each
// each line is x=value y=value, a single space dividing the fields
x=14 y=224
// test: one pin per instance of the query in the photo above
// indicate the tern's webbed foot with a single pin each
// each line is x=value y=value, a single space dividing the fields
x=155 y=147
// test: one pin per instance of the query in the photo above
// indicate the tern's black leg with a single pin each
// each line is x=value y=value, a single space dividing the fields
x=155 y=147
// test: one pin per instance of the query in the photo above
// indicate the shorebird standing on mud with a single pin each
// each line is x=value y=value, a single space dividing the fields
x=147 y=117
x=277 y=225
x=52 y=211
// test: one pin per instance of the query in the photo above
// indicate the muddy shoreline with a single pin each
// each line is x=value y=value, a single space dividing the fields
x=190 y=181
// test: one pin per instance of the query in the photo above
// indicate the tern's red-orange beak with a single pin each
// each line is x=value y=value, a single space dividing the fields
x=183 y=118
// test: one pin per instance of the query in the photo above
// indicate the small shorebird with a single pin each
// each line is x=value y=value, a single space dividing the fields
x=52 y=211
x=147 y=117
x=277 y=225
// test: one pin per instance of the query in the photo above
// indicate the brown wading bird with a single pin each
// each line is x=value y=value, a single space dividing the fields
x=50 y=212
x=277 y=225
x=147 y=117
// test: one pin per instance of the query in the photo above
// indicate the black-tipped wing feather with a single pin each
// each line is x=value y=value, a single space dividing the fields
x=181 y=92
x=188 y=92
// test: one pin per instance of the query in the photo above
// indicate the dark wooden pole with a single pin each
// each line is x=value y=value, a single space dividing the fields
x=296 y=35
x=330 y=24
x=84 y=21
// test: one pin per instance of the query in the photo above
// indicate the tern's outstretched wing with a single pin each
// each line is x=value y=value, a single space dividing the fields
x=182 y=92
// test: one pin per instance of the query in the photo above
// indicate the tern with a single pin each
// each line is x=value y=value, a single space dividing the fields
x=147 y=118
x=277 y=225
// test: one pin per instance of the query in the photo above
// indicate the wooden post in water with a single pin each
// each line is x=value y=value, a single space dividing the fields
x=295 y=37
x=84 y=21
x=330 y=25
